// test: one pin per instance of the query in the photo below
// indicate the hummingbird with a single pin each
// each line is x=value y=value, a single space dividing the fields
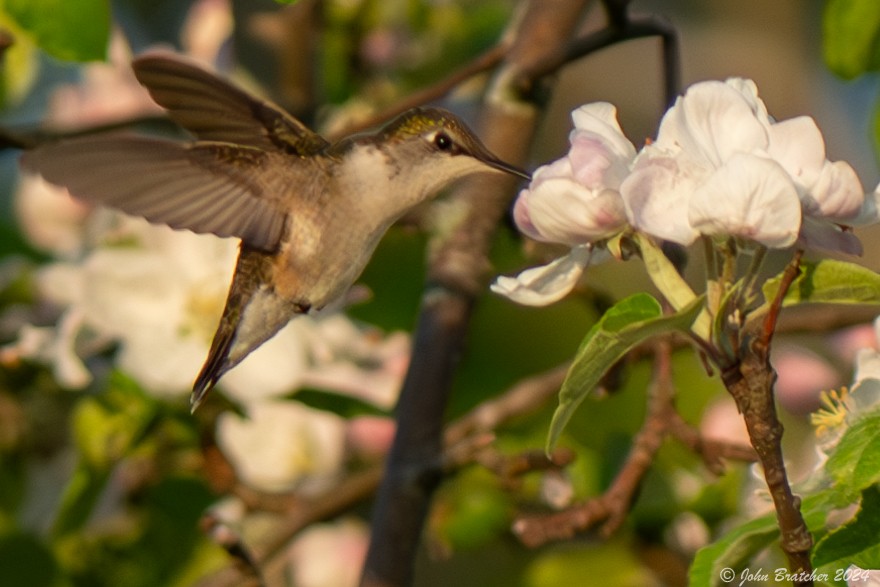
x=309 y=213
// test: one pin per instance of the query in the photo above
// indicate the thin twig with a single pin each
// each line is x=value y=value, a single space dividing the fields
x=481 y=64
x=463 y=439
x=609 y=510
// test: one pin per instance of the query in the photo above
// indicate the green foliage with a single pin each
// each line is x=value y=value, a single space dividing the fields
x=738 y=546
x=851 y=41
x=628 y=323
x=27 y=561
x=857 y=541
x=471 y=511
x=71 y=31
x=850 y=474
x=855 y=464
x=828 y=282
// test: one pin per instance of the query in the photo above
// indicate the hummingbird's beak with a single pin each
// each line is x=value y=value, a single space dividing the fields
x=506 y=167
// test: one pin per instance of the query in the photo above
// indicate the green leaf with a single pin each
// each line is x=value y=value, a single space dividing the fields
x=337 y=403
x=851 y=36
x=828 y=282
x=26 y=561
x=623 y=326
x=858 y=538
x=855 y=462
x=79 y=498
x=733 y=551
x=106 y=428
x=71 y=31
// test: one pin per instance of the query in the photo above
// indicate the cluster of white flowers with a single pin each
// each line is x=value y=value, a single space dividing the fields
x=721 y=166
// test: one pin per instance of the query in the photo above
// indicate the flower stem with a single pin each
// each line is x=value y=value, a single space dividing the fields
x=750 y=381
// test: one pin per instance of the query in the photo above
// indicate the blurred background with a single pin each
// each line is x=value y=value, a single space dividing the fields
x=105 y=477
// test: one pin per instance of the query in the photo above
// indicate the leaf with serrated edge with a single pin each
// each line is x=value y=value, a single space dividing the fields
x=858 y=537
x=738 y=546
x=626 y=324
x=828 y=282
x=855 y=462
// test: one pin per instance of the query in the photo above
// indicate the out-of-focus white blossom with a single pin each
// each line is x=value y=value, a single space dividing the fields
x=370 y=437
x=356 y=360
x=159 y=294
x=329 y=555
x=51 y=220
x=722 y=166
x=281 y=443
x=841 y=408
x=107 y=92
x=53 y=346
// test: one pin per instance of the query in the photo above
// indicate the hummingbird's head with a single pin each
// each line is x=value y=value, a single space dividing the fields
x=443 y=144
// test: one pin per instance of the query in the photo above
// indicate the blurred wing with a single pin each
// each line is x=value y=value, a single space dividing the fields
x=206 y=188
x=215 y=110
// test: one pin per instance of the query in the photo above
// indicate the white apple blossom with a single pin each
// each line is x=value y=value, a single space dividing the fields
x=280 y=443
x=574 y=201
x=49 y=217
x=722 y=166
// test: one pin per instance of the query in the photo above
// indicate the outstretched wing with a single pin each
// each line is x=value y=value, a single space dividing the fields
x=214 y=188
x=215 y=110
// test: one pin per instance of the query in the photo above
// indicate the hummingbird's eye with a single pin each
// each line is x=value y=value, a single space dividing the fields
x=443 y=142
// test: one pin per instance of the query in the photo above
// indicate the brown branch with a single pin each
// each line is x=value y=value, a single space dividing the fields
x=750 y=382
x=456 y=277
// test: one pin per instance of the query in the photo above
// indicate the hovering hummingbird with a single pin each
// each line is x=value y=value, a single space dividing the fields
x=309 y=213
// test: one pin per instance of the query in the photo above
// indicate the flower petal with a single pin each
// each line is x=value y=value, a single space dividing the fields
x=712 y=121
x=798 y=146
x=837 y=193
x=563 y=211
x=821 y=235
x=541 y=286
x=600 y=120
x=749 y=197
x=656 y=197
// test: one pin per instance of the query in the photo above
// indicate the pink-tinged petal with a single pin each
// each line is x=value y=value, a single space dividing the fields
x=837 y=194
x=559 y=168
x=522 y=218
x=563 y=211
x=711 y=122
x=593 y=164
x=750 y=197
x=798 y=146
x=822 y=235
x=541 y=286
x=600 y=120
x=656 y=196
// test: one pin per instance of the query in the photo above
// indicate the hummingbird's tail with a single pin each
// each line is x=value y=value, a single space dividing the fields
x=253 y=314
x=215 y=366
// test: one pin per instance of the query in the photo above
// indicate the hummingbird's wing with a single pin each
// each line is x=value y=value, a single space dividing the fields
x=217 y=188
x=215 y=110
